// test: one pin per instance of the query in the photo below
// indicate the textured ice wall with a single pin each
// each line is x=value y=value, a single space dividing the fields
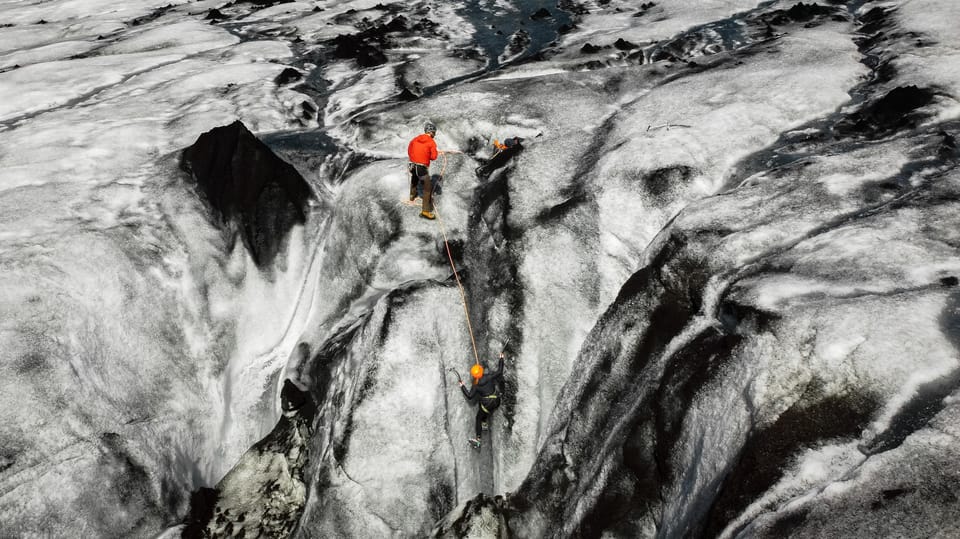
x=129 y=328
x=785 y=341
x=742 y=374
x=546 y=244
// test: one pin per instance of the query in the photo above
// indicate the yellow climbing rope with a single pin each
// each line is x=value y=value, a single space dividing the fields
x=446 y=244
x=463 y=295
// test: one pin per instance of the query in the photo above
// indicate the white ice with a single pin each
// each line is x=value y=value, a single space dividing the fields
x=124 y=312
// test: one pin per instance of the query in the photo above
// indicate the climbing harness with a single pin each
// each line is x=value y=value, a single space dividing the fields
x=457 y=374
x=484 y=408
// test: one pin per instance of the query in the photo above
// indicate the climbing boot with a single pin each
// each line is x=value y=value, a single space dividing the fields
x=484 y=426
x=475 y=443
x=428 y=215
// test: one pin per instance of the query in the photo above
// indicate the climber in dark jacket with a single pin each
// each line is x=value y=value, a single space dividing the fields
x=486 y=387
x=501 y=155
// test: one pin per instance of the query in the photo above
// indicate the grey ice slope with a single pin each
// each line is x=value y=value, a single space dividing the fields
x=749 y=378
x=724 y=267
x=785 y=364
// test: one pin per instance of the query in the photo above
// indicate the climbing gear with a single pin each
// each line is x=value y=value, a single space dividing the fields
x=492 y=397
x=454 y=371
x=484 y=426
x=443 y=154
x=507 y=143
x=502 y=153
x=475 y=442
x=668 y=126
x=430 y=128
x=463 y=295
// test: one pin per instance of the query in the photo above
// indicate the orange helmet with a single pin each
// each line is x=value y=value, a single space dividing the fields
x=476 y=371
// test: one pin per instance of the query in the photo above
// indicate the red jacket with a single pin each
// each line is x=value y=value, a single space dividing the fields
x=422 y=150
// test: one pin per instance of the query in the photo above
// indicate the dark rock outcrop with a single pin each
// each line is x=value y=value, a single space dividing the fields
x=541 y=14
x=287 y=76
x=590 y=48
x=519 y=41
x=203 y=501
x=367 y=53
x=800 y=13
x=367 y=46
x=894 y=111
x=254 y=499
x=249 y=187
x=215 y=15
x=153 y=15
x=481 y=516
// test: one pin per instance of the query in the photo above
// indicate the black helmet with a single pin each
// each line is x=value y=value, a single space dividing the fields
x=429 y=128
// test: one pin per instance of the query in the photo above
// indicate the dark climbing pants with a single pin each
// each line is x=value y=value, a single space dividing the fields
x=420 y=173
x=487 y=406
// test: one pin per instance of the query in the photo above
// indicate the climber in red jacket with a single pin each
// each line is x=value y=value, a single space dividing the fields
x=421 y=150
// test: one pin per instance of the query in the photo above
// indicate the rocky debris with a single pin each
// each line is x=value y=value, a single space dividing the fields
x=367 y=45
x=215 y=15
x=203 y=502
x=253 y=191
x=519 y=41
x=366 y=52
x=947 y=150
x=894 y=111
x=309 y=110
x=590 y=48
x=153 y=15
x=644 y=7
x=884 y=111
x=572 y=7
x=407 y=95
x=482 y=516
x=264 y=494
x=624 y=45
x=800 y=13
x=376 y=32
